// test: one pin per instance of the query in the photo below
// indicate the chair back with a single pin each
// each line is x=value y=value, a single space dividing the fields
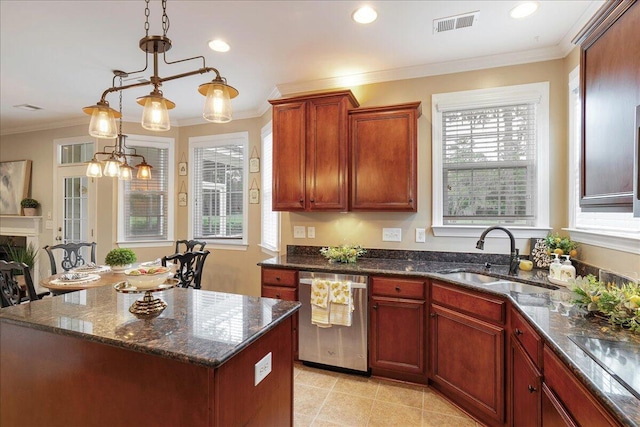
x=190 y=246
x=10 y=290
x=71 y=255
x=190 y=266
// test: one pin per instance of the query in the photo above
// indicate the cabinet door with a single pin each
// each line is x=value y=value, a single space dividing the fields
x=398 y=343
x=467 y=362
x=384 y=158
x=553 y=413
x=525 y=388
x=287 y=294
x=327 y=154
x=289 y=156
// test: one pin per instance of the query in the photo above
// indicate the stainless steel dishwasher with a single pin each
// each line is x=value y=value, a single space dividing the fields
x=336 y=346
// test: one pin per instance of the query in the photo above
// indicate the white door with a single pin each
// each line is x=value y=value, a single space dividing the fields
x=73 y=195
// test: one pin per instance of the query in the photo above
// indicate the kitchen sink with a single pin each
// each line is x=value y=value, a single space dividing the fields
x=496 y=283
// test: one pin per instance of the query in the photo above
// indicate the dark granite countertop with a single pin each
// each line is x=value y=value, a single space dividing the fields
x=552 y=326
x=200 y=327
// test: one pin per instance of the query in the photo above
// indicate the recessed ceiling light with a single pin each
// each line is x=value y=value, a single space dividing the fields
x=524 y=9
x=365 y=15
x=28 y=107
x=219 y=45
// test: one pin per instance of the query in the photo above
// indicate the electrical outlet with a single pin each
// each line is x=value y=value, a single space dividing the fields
x=391 y=234
x=311 y=232
x=420 y=235
x=299 y=232
x=262 y=369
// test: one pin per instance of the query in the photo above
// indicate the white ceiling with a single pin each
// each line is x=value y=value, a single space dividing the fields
x=59 y=55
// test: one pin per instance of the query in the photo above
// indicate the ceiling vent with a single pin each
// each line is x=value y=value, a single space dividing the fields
x=28 y=107
x=456 y=22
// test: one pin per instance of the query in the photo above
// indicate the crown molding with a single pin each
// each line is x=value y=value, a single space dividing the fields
x=566 y=43
x=44 y=126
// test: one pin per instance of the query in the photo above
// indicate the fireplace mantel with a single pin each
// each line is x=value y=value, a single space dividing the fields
x=25 y=226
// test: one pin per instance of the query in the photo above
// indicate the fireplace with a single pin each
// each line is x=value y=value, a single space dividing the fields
x=11 y=241
x=23 y=230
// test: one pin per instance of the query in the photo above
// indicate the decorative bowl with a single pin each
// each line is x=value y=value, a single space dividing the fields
x=147 y=278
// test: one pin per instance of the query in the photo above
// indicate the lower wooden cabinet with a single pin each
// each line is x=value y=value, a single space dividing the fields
x=397 y=344
x=553 y=413
x=526 y=387
x=282 y=284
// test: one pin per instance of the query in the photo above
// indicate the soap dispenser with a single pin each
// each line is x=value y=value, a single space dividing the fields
x=567 y=271
x=554 y=267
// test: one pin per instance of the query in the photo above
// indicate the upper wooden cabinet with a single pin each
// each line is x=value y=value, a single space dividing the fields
x=609 y=86
x=311 y=152
x=384 y=144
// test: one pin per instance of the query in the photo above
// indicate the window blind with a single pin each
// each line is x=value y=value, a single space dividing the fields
x=270 y=221
x=146 y=201
x=218 y=191
x=489 y=165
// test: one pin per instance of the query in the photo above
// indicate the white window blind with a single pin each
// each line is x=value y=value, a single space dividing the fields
x=146 y=202
x=489 y=165
x=219 y=187
x=270 y=219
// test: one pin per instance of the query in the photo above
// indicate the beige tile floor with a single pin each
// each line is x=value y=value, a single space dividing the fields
x=325 y=398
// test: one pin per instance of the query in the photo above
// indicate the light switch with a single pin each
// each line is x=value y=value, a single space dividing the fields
x=392 y=235
x=420 y=235
x=299 y=232
x=311 y=232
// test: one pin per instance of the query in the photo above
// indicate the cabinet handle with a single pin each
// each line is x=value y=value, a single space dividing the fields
x=410 y=200
x=301 y=201
x=531 y=388
x=278 y=296
x=278 y=278
x=312 y=200
x=398 y=289
x=518 y=332
x=432 y=315
x=375 y=307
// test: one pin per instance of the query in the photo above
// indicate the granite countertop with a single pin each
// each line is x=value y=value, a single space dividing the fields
x=552 y=326
x=200 y=327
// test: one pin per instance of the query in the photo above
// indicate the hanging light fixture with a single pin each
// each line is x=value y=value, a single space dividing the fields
x=155 y=116
x=117 y=164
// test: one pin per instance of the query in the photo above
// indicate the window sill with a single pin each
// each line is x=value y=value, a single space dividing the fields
x=625 y=242
x=147 y=244
x=269 y=251
x=476 y=231
x=216 y=244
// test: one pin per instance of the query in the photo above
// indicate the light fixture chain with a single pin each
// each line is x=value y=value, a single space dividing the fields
x=120 y=106
x=146 y=22
x=165 y=18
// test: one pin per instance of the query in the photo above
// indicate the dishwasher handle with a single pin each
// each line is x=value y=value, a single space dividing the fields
x=354 y=285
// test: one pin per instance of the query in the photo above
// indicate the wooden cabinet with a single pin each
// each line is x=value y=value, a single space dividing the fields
x=311 y=152
x=467 y=341
x=282 y=284
x=609 y=81
x=553 y=413
x=526 y=383
x=397 y=344
x=384 y=158
x=567 y=399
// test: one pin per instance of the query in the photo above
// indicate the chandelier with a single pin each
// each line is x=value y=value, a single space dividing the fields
x=155 y=115
x=116 y=164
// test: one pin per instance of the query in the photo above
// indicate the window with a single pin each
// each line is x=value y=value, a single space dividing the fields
x=218 y=209
x=76 y=152
x=145 y=207
x=270 y=219
x=490 y=157
x=614 y=230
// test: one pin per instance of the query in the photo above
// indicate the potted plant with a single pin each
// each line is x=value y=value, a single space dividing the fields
x=29 y=206
x=120 y=259
x=26 y=255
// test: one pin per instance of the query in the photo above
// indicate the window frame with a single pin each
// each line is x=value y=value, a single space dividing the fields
x=478 y=98
x=267 y=247
x=240 y=138
x=161 y=143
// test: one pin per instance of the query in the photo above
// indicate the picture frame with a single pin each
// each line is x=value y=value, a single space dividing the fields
x=182 y=199
x=182 y=168
x=254 y=164
x=15 y=177
x=254 y=196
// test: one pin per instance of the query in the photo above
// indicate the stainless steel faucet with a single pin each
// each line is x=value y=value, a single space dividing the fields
x=514 y=262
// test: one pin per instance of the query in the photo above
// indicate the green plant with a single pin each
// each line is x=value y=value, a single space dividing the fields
x=343 y=253
x=560 y=245
x=620 y=304
x=29 y=203
x=120 y=256
x=24 y=254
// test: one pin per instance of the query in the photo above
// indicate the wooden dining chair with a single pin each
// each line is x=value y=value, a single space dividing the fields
x=11 y=292
x=190 y=266
x=190 y=245
x=71 y=255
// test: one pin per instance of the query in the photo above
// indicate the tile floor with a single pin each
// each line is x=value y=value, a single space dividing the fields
x=325 y=398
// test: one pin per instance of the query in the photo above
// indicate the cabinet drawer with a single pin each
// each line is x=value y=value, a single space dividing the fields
x=398 y=288
x=280 y=292
x=526 y=336
x=279 y=277
x=481 y=306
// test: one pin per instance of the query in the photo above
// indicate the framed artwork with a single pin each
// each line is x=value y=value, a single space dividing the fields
x=182 y=168
x=182 y=199
x=254 y=196
x=254 y=164
x=14 y=185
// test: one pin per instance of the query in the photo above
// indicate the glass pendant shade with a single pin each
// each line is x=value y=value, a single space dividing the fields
x=103 y=124
x=155 y=115
x=112 y=167
x=125 y=172
x=94 y=169
x=144 y=171
x=217 y=106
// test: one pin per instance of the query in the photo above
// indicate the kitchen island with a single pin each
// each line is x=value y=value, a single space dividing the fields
x=83 y=359
x=559 y=335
